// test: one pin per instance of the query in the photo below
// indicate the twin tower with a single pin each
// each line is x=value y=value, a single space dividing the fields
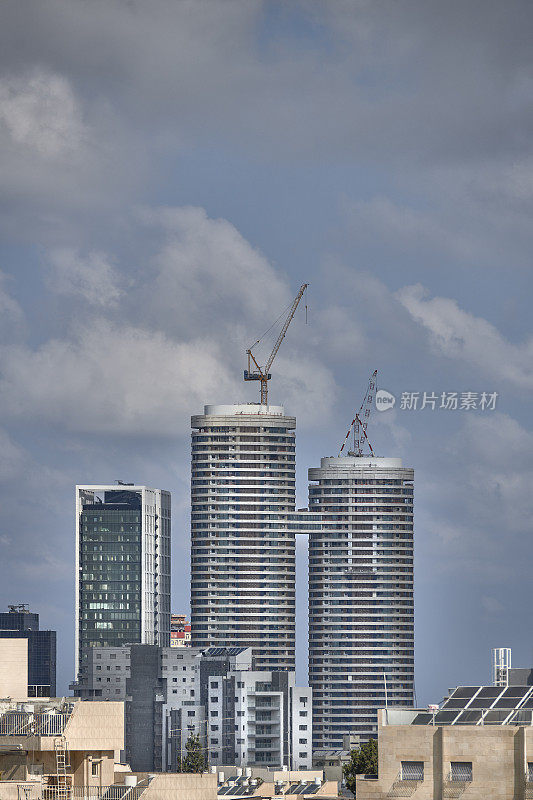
x=360 y=527
x=359 y=523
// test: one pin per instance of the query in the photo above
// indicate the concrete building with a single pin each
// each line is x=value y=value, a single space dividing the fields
x=13 y=668
x=62 y=750
x=105 y=674
x=243 y=547
x=361 y=621
x=427 y=757
x=122 y=568
x=242 y=716
x=20 y=622
x=62 y=743
x=180 y=631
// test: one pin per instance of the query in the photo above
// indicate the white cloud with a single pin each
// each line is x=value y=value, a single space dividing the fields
x=40 y=113
x=11 y=315
x=92 y=277
x=457 y=334
x=126 y=380
x=207 y=264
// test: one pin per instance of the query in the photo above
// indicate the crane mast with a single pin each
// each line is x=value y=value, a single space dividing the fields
x=359 y=423
x=263 y=373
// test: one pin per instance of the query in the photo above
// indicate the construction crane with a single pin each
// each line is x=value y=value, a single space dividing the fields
x=360 y=422
x=263 y=373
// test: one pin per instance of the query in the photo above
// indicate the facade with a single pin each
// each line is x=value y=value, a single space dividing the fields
x=242 y=716
x=13 y=668
x=106 y=671
x=447 y=757
x=180 y=631
x=243 y=547
x=122 y=568
x=61 y=743
x=361 y=621
x=18 y=623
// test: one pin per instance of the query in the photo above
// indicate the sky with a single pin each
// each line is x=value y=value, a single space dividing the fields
x=172 y=172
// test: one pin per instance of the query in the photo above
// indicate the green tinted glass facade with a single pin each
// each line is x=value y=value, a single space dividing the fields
x=110 y=575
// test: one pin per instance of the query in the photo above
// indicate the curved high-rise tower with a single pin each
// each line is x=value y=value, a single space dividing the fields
x=243 y=545
x=361 y=622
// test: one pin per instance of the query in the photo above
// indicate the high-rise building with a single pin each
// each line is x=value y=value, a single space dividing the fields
x=361 y=621
x=20 y=623
x=122 y=568
x=243 y=539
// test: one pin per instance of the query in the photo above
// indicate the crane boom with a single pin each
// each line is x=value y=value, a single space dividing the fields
x=360 y=422
x=263 y=374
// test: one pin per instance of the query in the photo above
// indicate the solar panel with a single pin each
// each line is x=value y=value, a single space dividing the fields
x=489 y=691
x=465 y=691
x=468 y=717
x=445 y=717
x=422 y=719
x=482 y=702
x=460 y=697
x=495 y=717
x=521 y=717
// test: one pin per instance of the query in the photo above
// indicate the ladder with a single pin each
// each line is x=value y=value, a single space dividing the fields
x=61 y=753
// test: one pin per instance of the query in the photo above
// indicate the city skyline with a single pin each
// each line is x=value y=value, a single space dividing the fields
x=172 y=177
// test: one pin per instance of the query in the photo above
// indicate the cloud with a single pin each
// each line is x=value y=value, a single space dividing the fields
x=119 y=379
x=206 y=263
x=40 y=114
x=92 y=277
x=457 y=334
x=12 y=321
x=12 y=458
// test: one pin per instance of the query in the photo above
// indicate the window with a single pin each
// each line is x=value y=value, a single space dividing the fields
x=302 y=755
x=461 y=771
x=302 y=727
x=529 y=777
x=95 y=769
x=214 y=699
x=303 y=713
x=214 y=684
x=190 y=713
x=302 y=741
x=412 y=770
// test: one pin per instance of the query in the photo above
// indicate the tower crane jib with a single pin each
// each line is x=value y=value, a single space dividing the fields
x=263 y=373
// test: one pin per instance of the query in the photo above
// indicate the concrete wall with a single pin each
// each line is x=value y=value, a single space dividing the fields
x=171 y=786
x=95 y=726
x=499 y=755
x=14 y=668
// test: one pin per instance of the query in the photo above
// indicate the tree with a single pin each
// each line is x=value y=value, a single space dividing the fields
x=363 y=761
x=194 y=760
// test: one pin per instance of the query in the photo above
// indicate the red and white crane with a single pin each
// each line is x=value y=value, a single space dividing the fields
x=360 y=422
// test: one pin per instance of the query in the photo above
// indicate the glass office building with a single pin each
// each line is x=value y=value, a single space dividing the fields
x=123 y=568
